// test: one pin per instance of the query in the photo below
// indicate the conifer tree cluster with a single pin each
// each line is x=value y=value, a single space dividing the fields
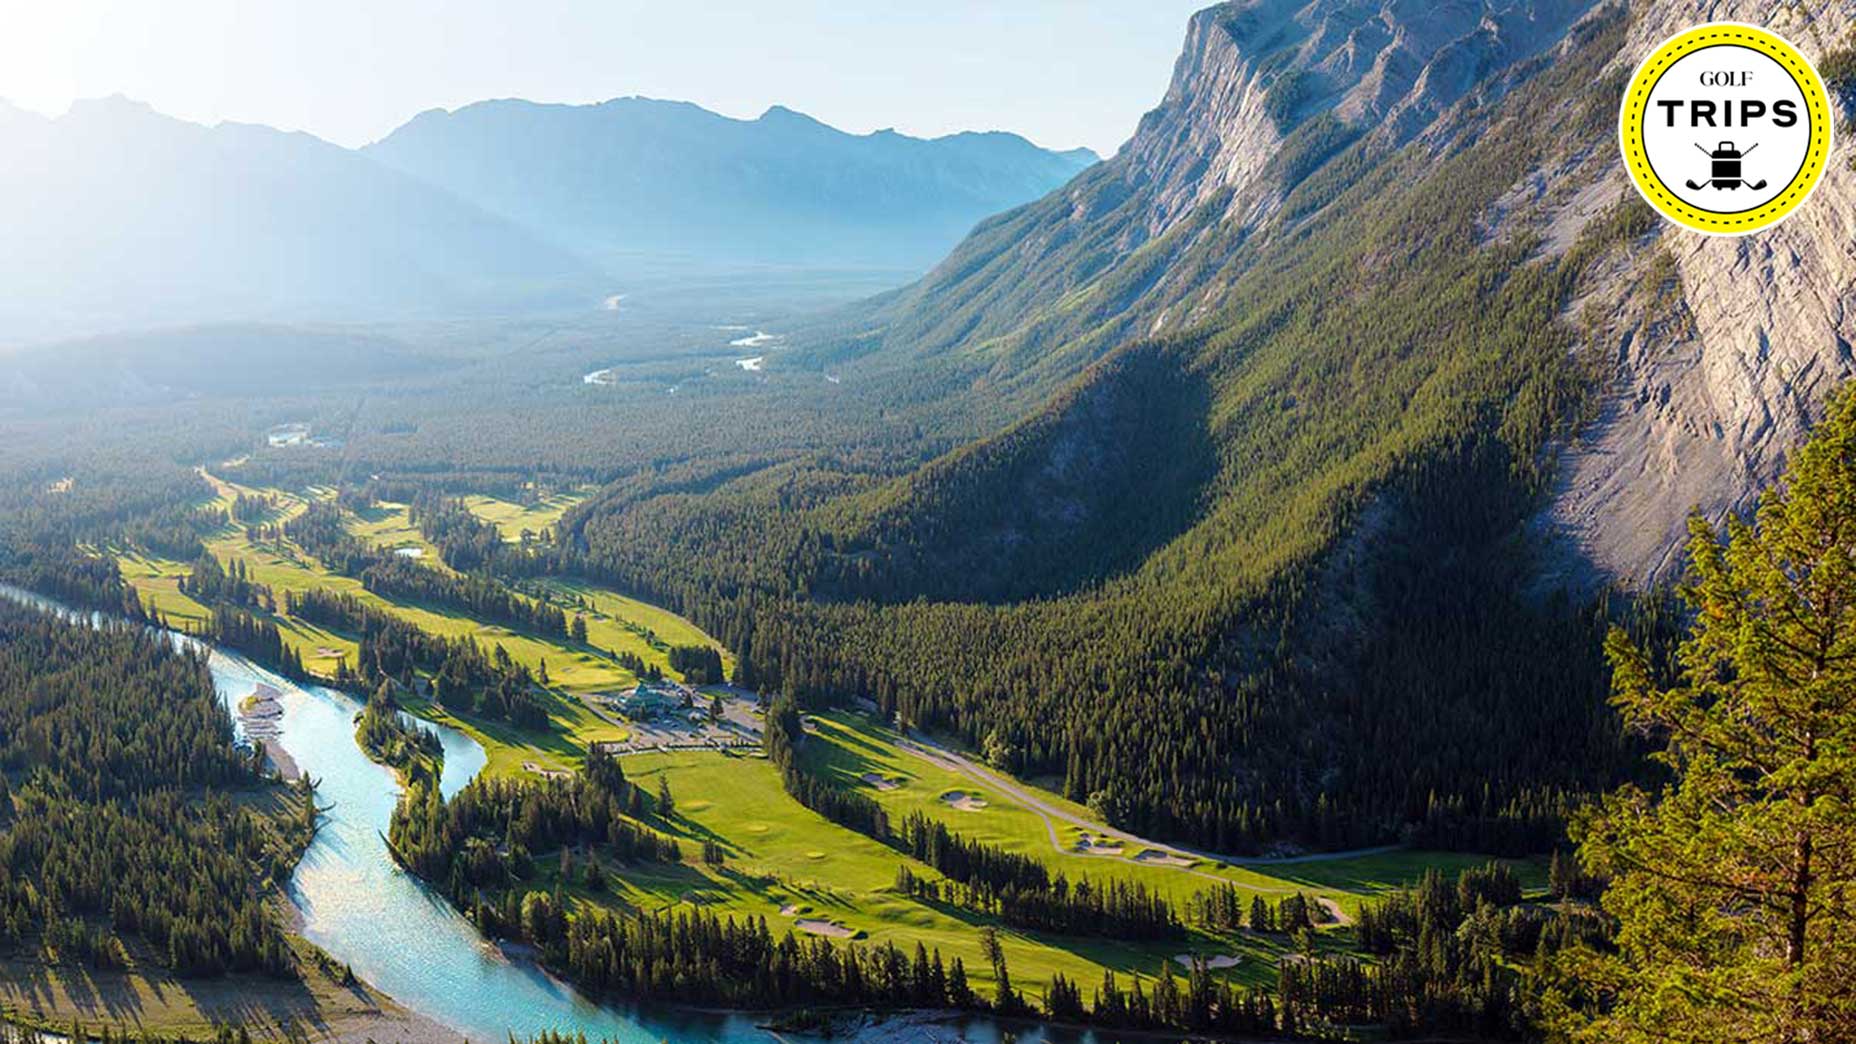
x=117 y=836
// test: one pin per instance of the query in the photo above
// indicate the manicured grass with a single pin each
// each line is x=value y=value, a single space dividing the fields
x=1373 y=875
x=157 y=582
x=855 y=745
x=572 y=728
x=627 y=625
x=574 y=670
x=513 y=518
x=389 y=527
x=848 y=746
x=780 y=853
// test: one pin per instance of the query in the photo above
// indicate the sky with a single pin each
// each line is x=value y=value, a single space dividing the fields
x=1061 y=72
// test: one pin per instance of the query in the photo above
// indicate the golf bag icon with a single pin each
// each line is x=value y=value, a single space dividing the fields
x=1725 y=168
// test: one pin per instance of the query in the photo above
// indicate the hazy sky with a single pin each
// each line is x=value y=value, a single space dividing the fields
x=1061 y=72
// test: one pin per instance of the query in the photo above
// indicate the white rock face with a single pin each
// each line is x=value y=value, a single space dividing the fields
x=1394 y=64
x=1703 y=408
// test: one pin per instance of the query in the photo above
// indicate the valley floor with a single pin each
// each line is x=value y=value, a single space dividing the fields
x=780 y=861
x=577 y=671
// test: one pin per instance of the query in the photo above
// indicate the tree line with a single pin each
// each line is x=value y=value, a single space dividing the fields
x=782 y=735
x=109 y=737
x=464 y=678
x=385 y=735
x=321 y=530
x=479 y=847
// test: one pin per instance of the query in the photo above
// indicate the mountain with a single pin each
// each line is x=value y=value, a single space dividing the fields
x=1328 y=410
x=1265 y=96
x=234 y=359
x=116 y=216
x=634 y=175
x=1275 y=109
x=1719 y=352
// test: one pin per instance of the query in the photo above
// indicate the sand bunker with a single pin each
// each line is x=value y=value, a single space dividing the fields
x=963 y=801
x=1223 y=960
x=1159 y=858
x=789 y=910
x=880 y=782
x=530 y=766
x=820 y=926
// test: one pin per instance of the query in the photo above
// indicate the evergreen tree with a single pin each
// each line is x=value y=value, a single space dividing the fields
x=1731 y=882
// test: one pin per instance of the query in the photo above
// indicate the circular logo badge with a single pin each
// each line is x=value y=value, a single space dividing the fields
x=1725 y=128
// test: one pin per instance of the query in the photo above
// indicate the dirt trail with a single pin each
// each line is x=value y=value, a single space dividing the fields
x=953 y=761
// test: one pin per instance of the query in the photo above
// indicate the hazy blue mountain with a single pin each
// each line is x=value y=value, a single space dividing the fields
x=637 y=175
x=232 y=359
x=117 y=216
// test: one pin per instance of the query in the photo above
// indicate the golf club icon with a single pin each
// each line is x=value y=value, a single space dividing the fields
x=1725 y=164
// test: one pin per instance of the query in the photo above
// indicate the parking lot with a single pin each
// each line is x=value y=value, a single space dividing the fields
x=738 y=728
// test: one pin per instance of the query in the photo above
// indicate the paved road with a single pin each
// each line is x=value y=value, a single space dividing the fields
x=951 y=760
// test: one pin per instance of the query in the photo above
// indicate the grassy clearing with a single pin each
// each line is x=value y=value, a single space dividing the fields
x=513 y=518
x=390 y=528
x=855 y=746
x=781 y=855
x=574 y=670
x=627 y=625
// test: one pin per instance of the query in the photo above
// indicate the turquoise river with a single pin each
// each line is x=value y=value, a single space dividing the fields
x=361 y=908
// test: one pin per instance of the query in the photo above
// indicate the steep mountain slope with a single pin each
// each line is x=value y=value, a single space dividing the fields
x=1263 y=96
x=1721 y=350
x=1340 y=390
x=1722 y=346
x=638 y=175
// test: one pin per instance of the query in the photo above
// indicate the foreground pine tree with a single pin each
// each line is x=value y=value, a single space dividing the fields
x=1731 y=882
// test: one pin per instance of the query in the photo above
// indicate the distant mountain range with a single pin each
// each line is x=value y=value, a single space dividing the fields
x=635 y=174
x=116 y=216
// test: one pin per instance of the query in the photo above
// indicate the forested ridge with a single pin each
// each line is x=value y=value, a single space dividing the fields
x=123 y=835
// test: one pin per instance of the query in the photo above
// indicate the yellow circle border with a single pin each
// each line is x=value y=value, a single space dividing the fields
x=1671 y=206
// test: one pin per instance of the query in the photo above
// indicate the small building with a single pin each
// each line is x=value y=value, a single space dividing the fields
x=649 y=701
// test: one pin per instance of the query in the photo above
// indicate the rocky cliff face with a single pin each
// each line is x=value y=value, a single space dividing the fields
x=1264 y=93
x=1721 y=350
x=1253 y=71
x=1710 y=355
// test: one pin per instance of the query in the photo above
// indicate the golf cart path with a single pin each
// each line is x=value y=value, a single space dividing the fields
x=953 y=761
